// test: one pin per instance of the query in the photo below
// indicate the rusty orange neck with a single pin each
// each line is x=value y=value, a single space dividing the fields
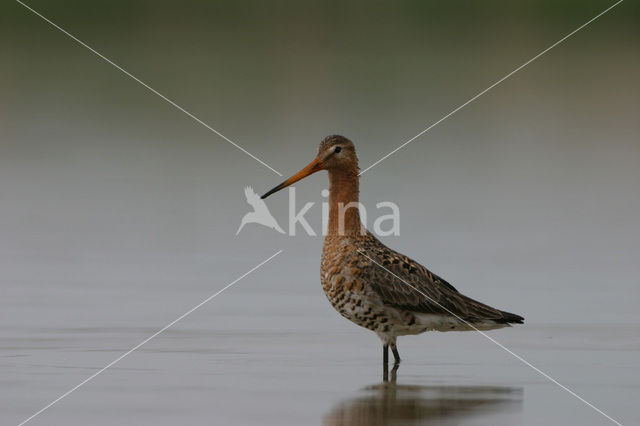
x=344 y=216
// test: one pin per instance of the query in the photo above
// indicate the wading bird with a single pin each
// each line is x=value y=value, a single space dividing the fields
x=374 y=286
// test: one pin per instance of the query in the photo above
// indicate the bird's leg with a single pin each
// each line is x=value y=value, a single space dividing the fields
x=385 y=363
x=394 y=373
x=396 y=355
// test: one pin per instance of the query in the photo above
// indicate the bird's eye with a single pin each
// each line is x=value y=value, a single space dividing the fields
x=337 y=149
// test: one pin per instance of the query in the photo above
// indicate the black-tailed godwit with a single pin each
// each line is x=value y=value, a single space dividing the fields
x=374 y=286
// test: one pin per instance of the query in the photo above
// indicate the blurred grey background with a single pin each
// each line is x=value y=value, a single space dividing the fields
x=118 y=212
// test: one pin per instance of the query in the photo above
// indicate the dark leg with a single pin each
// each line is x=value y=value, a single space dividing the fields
x=385 y=363
x=396 y=355
x=394 y=373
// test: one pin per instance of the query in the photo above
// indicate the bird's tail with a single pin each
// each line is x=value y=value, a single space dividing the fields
x=241 y=226
x=509 y=318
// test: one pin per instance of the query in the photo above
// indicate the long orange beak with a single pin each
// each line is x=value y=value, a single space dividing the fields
x=315 y=166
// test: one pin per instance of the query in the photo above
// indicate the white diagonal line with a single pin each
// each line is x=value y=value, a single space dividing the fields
x=147 y=339
x=149 y=87
x=492 y=86
x=548 y=377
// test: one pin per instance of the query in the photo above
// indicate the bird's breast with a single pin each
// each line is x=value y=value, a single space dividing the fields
x=341 y=275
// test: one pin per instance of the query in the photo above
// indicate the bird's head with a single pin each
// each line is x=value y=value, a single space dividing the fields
x=335 y=153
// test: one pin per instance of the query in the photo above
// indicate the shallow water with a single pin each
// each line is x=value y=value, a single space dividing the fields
x=256 y=356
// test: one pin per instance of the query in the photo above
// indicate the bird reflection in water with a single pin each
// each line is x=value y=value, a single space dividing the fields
x=390 y=403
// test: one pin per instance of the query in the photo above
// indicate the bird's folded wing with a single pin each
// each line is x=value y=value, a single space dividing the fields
x=405 y=284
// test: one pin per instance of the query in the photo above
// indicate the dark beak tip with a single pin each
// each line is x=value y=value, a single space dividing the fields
x=272 y=191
